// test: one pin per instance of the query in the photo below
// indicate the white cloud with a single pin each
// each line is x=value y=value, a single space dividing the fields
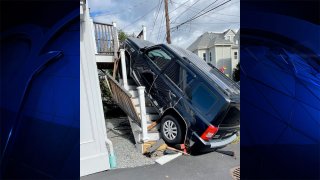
x=126 y=12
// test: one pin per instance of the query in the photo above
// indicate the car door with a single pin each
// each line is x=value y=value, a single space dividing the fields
x=159 y=59
x=147 y=66
x=167 y=87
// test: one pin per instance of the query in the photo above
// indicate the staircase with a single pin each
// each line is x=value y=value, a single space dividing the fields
x=151 y=116
x=141 y=113
x=125 y=93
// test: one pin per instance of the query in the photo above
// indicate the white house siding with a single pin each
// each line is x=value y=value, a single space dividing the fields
x=234 y=61
x=200 y=53
x=223 y=58
x=94 y=156
x=221 y=46
x=213 y=56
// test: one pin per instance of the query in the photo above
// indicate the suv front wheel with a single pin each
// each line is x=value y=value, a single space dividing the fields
x=171 y=131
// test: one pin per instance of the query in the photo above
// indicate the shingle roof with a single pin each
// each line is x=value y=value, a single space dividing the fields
x=208 y=39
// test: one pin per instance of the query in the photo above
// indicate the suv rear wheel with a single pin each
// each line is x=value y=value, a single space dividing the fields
x=171 y=130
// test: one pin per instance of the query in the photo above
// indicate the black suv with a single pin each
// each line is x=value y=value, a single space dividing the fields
x=199 y=105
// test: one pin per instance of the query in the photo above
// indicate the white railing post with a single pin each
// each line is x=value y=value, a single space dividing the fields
x=143 y=114
x=124 y=69
x=115 y=37
x=144 y=30
x=93 y=36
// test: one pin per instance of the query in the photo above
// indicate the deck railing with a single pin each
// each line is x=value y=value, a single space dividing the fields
x=105 y=38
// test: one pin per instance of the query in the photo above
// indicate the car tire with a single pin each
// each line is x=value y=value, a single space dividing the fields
x=171 y=130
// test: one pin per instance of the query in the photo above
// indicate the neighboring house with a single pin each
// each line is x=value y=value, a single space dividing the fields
x=219 y=49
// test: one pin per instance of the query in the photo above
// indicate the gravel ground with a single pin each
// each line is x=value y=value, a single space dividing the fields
x=119 y=132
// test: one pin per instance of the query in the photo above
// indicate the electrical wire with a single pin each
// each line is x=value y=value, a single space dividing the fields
x=197 y=16
x=185 y=11
x=194 y=9
x=179 y=6
x=130 y=24
x=161 y=25
x=154 y=22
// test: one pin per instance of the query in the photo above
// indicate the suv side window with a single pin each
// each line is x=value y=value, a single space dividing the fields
x=159 y=57
x=186 y=79
x=173 y=73
x=179 y=75
x=202 y=98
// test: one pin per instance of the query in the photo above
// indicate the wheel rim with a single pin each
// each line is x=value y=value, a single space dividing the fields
x=170 y=130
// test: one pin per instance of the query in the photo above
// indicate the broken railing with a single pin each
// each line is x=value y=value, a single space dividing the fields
x=122 y=98
x=120 y=94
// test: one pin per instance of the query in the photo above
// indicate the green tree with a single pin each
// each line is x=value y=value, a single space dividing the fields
x=122 y=36
x=236 y=73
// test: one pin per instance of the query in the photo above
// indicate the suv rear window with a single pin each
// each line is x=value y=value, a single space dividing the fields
x=202 y=98
x=159 y=57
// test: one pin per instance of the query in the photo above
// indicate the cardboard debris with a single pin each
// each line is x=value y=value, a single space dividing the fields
x=155 y=146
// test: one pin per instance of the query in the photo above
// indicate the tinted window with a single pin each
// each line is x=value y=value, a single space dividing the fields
x=159 y=57
x=202 y=98
x=186 y=79
x=174 y=72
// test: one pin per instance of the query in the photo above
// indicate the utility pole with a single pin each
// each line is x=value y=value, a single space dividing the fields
x=167 y=21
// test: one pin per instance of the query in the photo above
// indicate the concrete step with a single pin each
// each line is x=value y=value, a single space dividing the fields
x=132 y=87
x=135 y=101
x=149 y=110
x=153 y=136
x=134 y=93
x=151 y=117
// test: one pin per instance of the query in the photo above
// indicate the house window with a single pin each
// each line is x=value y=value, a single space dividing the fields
x=210 y=57
x=235 y=55
x=204 y=57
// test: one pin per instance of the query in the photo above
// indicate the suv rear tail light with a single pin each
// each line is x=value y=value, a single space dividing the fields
x=209 y=133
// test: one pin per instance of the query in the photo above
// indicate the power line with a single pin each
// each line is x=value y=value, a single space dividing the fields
x=185 y=11
x=197 y=16
x=140 y=17
x=161 y=25
x=204 y=8
x=154 y=22
x=194 y=9
x=178 y=6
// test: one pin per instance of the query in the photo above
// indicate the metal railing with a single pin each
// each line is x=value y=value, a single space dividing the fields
x=122 y=98
x=105 y=38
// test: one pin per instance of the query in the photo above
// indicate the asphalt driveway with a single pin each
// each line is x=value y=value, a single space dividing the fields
x=206 y=166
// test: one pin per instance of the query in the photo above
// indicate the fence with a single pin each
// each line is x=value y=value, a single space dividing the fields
x=104 y=36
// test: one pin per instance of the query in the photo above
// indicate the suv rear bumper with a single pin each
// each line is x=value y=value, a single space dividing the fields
x=216 y=143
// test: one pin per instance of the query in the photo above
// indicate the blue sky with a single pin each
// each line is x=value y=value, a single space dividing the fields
x=131 y=15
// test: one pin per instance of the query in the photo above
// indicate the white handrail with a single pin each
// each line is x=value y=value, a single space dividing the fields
x=143 y=114
x=124 y=69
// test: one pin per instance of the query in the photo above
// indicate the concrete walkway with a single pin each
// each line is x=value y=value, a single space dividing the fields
x=207 y=166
